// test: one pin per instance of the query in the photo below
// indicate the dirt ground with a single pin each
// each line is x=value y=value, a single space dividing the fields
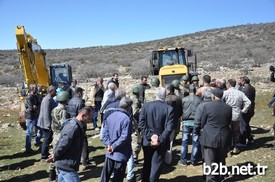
x=14 y=166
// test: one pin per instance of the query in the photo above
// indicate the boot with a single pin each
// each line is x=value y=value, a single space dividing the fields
x=52 y=175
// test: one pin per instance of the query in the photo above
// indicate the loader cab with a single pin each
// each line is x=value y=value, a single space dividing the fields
x=60 y=72
x=170 y=56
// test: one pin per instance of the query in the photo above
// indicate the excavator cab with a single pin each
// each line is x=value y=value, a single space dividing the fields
x=60 y=72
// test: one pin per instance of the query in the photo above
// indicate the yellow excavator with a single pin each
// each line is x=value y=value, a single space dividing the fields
x=33 y=64
x=172 y=63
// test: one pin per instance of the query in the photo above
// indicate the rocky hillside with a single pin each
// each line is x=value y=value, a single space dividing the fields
x=240 y=48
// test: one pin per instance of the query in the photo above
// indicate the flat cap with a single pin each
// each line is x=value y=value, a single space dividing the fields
x=217 y=92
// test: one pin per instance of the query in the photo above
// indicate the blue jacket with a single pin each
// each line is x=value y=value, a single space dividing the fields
x=113 y=107
x=67 y=152
x=117 y=133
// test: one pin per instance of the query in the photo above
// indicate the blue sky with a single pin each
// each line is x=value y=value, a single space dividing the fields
x=58 y=24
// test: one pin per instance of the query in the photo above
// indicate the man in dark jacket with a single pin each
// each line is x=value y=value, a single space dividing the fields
x=216 y=134
x=75 y=104
x=114 y=80
x=175 y=101
x=250 y=93
x=117 y=139
x=207 y=93
x=189 y=106
x=71 y=88
x=67 y=152
x=156 y=124
x=32 y=105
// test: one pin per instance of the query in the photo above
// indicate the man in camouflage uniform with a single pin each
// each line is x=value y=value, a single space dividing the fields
x=195 y=82
x=176 y=85
x=175 y=101
x=59 y=115
x=136 y=138
x=184 y=85
x=150 y=94
x=143 y=86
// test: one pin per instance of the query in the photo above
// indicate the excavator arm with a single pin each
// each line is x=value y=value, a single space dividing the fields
x=33 y=63
x=32 y=59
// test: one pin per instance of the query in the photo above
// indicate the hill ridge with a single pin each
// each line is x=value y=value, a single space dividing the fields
x=235 y=47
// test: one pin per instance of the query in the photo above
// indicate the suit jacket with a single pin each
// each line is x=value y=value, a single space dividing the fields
x=250 y=93
x=45 y=117
x=215 y=120
x=156 y=117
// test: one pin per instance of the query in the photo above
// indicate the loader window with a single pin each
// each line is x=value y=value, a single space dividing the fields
x=165 y=59
x=155 y=59
x=182 y=58
x=168 y=57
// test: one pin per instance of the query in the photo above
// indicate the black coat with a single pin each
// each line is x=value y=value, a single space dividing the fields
x=67 y=152
x=75 y=104
x=156 y=117
x=32 y=106
x=215 y=120
x=250 y=93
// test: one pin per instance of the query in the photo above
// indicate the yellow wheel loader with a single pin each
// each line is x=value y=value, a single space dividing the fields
x=172 y=63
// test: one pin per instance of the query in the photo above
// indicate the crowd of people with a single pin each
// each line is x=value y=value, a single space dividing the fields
x=216 y=115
